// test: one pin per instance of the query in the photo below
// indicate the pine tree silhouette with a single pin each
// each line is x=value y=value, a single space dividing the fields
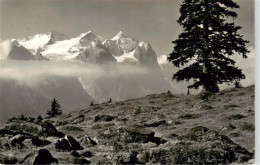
x=206 y=43
x=55 y=109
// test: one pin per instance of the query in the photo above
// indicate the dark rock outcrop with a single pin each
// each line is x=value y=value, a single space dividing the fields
x=44 y=157
x=138 y=135
x=68 y=143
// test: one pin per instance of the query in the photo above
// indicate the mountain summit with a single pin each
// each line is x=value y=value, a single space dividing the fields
x=119 y=35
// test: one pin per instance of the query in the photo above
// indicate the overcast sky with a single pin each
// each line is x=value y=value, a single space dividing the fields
x=150 y=20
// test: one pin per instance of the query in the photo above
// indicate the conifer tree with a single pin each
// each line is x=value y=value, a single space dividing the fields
x=55 y=109
x=208 y=40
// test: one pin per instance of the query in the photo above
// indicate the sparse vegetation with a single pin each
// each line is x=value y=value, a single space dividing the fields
x=138 y=110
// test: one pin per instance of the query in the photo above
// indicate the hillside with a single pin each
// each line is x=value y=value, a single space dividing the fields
x=159 y=128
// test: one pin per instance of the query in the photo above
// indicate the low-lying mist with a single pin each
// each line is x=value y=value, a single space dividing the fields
x=33 y=72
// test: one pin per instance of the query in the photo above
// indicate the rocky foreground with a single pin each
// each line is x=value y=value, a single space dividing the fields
x=161 y=128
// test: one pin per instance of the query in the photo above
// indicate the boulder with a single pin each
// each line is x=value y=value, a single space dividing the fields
x=138 y=135
x=88 y=141
x=63 y=144
x=199 y=146
x=75 y=153
x=87 y=154
x=44 y=157
x=49 y=130
x=74 y=144
x=135 y=135
x=68 y=143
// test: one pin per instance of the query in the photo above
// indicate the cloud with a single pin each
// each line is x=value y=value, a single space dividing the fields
x=32 y=72
x=248 y=66
x=5 y=47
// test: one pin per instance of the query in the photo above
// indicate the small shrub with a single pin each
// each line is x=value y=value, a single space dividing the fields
x=138 y=111
x=103 y=118
x=248 y=127
x=21 y=117
x=91 y=104
x=230 y=106
x=236 y=134
x=161 y=116
x=189 y=116
x=207 y=107
x=177 y=122
x=236 y=117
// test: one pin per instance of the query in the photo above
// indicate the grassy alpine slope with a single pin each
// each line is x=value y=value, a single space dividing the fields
x=159 y=128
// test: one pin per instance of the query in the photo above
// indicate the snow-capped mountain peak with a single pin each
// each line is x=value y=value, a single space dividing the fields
x=119 y=35
x=37 y=41
x=87 y=38
x=86 y=34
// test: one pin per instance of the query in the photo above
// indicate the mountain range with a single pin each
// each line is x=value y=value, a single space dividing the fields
x=87 y=47
x=119 y=55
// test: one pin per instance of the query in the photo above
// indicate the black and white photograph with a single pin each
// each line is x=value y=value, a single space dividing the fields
x=127 y=82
